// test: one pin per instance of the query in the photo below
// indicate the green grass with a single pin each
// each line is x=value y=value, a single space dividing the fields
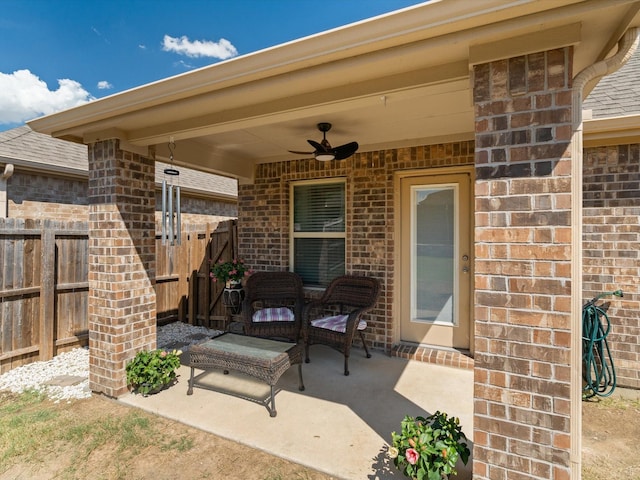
x=24 y=427
x=615 y=403
x=32 y=427
x=67 y=440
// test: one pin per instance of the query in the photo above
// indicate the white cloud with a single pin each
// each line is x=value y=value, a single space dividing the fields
x=104 y=85
x=24 y=96
x=183 y=64
x=99 y=33
x=199 y=48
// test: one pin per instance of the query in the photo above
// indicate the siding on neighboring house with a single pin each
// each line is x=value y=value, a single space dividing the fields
x=611 y=218
x=34 y=195
x=611 y=247
x=50 y=181
x=37 y=196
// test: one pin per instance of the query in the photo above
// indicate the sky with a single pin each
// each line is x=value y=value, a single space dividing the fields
x=57 y=54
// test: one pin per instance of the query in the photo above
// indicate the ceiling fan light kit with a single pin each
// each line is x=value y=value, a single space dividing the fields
x=324 y=152
x=325 y=157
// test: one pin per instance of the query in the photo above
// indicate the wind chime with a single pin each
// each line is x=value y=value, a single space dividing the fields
x=171 y=203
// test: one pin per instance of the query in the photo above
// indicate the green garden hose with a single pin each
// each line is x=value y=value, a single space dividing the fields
x=598 y=371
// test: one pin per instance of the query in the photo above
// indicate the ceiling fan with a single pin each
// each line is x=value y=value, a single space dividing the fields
x=324 y=151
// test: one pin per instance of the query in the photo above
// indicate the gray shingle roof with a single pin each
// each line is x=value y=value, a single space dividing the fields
x=617 y=94
x=24 y=147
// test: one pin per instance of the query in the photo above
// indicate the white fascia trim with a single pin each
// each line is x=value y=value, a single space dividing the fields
x=612 y=131
x=423 y=21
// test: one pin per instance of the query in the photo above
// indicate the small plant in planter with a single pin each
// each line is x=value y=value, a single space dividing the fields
x=152 y=370
x=230 y=273
x=428 y=448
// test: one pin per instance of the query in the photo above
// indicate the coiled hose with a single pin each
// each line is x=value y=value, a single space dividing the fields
x=598 y=371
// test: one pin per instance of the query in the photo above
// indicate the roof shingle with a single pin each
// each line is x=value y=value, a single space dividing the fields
x=617 y=94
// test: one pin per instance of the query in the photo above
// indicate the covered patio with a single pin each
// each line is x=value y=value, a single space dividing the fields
x=487 y=92
x=338 y=425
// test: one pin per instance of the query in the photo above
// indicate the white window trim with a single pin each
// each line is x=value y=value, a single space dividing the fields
x=293 y=234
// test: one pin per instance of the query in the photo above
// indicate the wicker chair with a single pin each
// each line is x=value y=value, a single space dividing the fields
x=273 y=304
x=334 y=319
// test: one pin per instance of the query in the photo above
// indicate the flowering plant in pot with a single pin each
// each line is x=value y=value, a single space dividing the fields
x=152 y=370
x=230 y=273
x=429 y=448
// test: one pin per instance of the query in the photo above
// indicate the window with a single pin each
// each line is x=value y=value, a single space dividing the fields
x=318 y=231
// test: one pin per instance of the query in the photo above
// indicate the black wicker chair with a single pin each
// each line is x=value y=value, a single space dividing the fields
x=273 y=304
x=335 y=318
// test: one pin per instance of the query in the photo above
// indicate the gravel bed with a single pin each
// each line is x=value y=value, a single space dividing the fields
x=73 y=366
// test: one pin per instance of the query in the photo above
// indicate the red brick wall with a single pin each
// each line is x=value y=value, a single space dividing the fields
x=33 y=196
x=201 y=210
x=263 y=224
x=611 y=251
x=36 y=196
x=523 y=267
x=122 y=301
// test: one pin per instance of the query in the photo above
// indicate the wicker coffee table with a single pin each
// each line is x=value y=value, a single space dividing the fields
x=260 y=358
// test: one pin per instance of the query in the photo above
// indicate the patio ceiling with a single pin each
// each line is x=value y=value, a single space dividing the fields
x=400 y=79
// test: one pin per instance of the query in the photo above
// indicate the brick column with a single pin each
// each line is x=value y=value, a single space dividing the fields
x=523 y=253
x=122 y=301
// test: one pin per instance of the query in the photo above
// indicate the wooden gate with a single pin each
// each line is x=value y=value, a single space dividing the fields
x=184 y=289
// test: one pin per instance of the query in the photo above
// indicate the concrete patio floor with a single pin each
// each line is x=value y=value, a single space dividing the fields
x=338 y=425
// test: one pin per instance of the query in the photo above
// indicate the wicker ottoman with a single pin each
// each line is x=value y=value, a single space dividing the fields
x=260 y=358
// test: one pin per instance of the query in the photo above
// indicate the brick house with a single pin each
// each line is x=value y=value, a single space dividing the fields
x=465 y=197
x=611 y=213
x=49 y=179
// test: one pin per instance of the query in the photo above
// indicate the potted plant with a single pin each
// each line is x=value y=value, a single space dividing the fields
x=428 y=448
x=230 y=273
x=152 y=370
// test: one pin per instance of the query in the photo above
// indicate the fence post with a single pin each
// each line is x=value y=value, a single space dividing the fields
x=47 y=293
x=193 y=292
x=184 y=263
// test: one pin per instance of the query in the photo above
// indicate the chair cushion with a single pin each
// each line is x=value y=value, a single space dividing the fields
x=337 y=323
x=278 y=314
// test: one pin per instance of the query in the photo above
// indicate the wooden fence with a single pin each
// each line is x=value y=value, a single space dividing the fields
x=44 y=284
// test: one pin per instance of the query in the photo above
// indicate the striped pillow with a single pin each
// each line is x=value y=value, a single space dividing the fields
x=337 y=323
x=279 y=314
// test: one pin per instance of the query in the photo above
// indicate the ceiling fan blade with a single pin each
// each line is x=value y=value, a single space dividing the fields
x=346 y=150
x=318 y=146
x=301 y=153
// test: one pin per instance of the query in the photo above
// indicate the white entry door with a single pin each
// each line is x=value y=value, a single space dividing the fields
x=436 y=260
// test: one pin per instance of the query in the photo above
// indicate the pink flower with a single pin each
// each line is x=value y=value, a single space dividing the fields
x=412 y=455
x=163 y=354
